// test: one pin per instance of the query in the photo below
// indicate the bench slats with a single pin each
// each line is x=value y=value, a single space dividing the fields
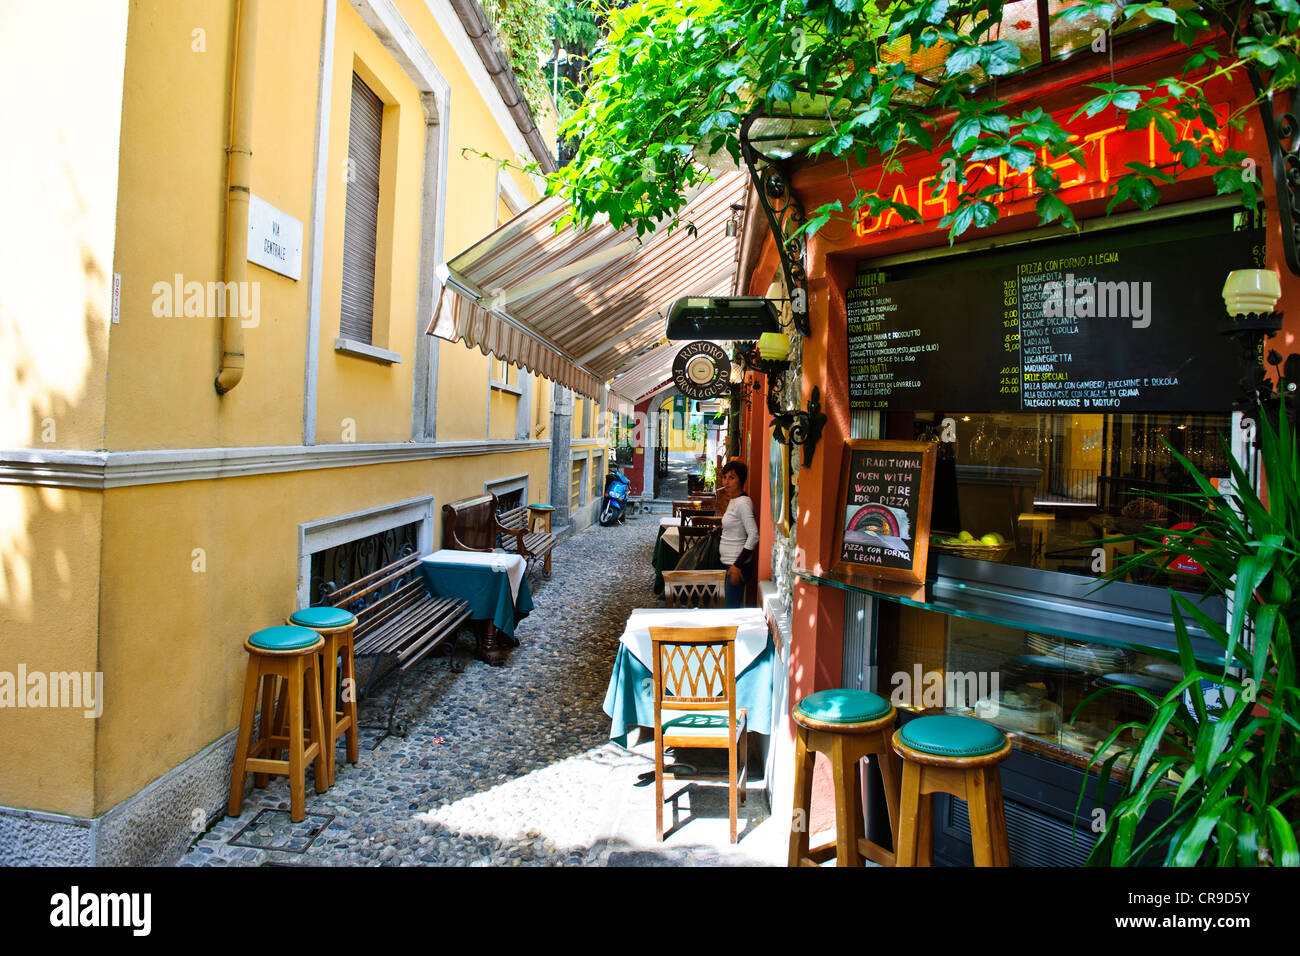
x=408 y=623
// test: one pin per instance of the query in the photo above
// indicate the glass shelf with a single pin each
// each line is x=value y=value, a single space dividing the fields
x=1076 y=619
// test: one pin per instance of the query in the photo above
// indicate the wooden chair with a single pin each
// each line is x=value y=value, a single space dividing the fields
x=695 y=588
x=698 y=520
x=689 y=534
x=698 y=507
x=695 y=706
x=473 y=524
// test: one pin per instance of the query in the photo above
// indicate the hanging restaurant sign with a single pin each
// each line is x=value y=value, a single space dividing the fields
x=702 y=370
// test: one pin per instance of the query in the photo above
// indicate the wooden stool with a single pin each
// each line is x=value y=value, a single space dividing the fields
x=288 y=653
x=845 y=725
x=335 y=626
x=957 y=755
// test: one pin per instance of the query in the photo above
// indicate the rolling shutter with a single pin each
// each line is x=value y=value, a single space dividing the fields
x=361 y=220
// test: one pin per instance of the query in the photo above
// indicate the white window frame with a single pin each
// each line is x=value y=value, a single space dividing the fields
x=326 y=533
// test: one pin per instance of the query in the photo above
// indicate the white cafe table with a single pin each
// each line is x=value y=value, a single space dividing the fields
x=668 y=532
x=629 y=701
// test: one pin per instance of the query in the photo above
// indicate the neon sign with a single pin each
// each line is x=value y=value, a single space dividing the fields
x=1106 y=150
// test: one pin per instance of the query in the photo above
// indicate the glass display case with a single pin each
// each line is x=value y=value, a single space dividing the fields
x=1061 y=697
x=1052 y=491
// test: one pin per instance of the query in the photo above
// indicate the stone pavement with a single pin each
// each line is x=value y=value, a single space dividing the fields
x=508 y=766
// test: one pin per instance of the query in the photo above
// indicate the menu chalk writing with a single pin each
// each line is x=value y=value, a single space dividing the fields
x=884 y=513
x=1124 y=320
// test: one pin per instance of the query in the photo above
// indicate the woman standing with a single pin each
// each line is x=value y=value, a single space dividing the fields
x=739 y=533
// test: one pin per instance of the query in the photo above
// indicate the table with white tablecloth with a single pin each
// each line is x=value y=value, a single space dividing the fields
x=629 y=700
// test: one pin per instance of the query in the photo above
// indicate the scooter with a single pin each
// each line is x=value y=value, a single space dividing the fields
x=616 y=488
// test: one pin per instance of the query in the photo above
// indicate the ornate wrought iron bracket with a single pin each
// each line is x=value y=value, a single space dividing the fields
x=789 y=426
x=1286 y=170
x=802 y=428
x=785 y=214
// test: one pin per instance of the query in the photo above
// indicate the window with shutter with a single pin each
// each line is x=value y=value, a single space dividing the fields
x=361 y=220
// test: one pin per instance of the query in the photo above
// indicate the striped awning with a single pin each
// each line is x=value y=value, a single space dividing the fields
x=580 y=307
x=647 y=375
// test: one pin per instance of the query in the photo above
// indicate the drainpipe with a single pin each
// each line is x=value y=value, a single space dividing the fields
x=239 y=167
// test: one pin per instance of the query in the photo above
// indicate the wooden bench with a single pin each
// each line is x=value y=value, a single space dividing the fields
x=472 y=524
x=399 y=618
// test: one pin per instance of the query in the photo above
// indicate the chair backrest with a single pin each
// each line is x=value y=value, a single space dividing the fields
x=470 y=524
x=692 y=507
x=694 y=669
x=688 y=534
x=698 y=520
x=695 y=588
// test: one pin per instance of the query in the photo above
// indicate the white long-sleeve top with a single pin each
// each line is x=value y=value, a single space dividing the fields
x=739 y=529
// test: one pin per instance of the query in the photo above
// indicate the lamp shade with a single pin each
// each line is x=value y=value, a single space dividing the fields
x=722 y=319
x=1252 y=290
x=773 y=346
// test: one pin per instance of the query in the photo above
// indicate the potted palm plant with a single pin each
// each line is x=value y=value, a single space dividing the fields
x=1207 y=785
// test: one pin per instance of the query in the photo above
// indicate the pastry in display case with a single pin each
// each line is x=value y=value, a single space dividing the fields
x=1065 y=694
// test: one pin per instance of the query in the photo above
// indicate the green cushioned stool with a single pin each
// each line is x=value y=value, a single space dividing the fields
x=841 y=706
x=283 y=638
x=847 y=726
x=946 y=753
x=288 y=654
x=322 y=617
x=335 y=626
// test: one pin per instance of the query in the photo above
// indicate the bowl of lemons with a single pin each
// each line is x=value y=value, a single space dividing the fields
x=987 y=547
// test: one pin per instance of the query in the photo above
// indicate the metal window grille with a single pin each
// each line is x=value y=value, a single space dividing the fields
x=335 y=567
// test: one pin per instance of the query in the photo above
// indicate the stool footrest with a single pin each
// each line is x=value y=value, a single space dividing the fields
x=876 y=853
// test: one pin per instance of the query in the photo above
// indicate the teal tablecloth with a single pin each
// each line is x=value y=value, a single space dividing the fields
x=487 y=590
x=629 y=701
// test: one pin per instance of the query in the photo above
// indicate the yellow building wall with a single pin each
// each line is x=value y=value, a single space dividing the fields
x=157 y=585
x=49 y=607
x=359 y=399
x=58 y=192
x=541 y=419
x=462 y=392
x=677 y=436
x=174 y=636
x=171 y=215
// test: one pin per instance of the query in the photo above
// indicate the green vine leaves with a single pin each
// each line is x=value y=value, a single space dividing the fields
x=673 y=80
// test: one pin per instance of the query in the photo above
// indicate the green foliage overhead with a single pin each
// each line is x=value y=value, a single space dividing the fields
x=675 y=78
x=524 y=29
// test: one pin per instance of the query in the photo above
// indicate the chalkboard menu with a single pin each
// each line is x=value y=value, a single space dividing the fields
x=1123 y=320
x=882 y=526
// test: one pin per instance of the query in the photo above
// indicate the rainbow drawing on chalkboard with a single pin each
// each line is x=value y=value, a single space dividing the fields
x=879 y=526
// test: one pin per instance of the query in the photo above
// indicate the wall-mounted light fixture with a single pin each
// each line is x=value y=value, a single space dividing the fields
x=789 y=426
x=735 y=220
x=722 y=318
x=1251 y=295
